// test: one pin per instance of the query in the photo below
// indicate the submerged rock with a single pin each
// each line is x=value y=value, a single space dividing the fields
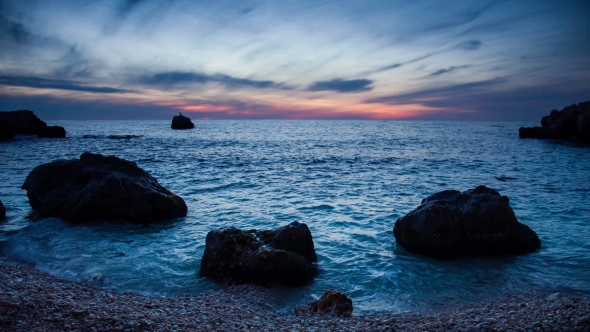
x=284 y=256
x=571 y=123
x=2 y=211
x=333 y=302
x=97 y=187
x=25 y=122
x=182 y=122
x=115 y=136
x=477 y=222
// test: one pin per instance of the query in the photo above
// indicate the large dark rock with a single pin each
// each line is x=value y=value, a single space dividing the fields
x=6 y=133
x=477 y=222
x=571 y=123
x=583 y=123
x=25 y=122
x=182 y=122
x=97 y=187
x=537 y=132
x=52 y=132
x=284 y=256
x=2 y=211
x=333 y=303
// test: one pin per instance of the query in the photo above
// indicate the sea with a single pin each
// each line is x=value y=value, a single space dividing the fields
x=349 y=181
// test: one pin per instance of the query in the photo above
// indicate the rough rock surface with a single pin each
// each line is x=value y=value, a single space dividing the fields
x=284 y=256
x=571 y=123
x=2 y=211
x=52 y=132
x=477 y=222
x=182 y=122
x=25 y=122
x=97 y=187
x=333 y=302
x=6 y=133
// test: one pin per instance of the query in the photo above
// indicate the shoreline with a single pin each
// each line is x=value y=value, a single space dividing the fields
x=32 y=300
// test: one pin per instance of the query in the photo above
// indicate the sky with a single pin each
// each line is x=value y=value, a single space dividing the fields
x=388 y=59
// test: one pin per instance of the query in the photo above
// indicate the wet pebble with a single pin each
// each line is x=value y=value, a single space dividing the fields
x=31 y=300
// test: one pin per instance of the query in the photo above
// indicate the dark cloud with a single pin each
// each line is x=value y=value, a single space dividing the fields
x=382 y=69
x=129 y=4
x=432 y=96
x=43 y=83
x=126 y=7
x=51 y=108
x=75 y=70
x=397 y=65
x=19 y=33
x=470 y=45
x=495 y=26
x=389 y=67
x=167 y=79
x=175 y=77
x=492 y=99
x=19 y=41
x=340 y=85
x=447 y=70
x=450 y=22
x=13 y=31
x=75 y=65
x=436 y=17
x=247 y=10
x=123 y=11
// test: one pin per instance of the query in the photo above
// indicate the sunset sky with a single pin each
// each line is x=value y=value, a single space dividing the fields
x=430 y=59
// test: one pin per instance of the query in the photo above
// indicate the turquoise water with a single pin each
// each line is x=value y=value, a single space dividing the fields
x=347 y=180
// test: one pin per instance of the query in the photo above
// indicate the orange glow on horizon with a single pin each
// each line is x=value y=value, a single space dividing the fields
x=315 y=109
x=204 y=107
x=254 y=106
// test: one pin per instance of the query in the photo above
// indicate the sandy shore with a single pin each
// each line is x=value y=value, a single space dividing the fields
x=31 y=300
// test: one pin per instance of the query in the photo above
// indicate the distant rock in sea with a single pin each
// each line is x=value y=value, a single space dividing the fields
x=332 y=303
x=25 y=122
x=116 y=136
x=182 y=122
x=284 y=256
x=571 y=123
x=477 y=222
x=2 y=211
x=97 y=187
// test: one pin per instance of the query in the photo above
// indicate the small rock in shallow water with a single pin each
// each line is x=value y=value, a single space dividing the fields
x=554 y=296
x=333 y=302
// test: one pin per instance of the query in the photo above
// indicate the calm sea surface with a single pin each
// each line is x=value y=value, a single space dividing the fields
x=348 y=180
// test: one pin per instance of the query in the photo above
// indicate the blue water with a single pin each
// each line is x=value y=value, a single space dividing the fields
x=348 y=180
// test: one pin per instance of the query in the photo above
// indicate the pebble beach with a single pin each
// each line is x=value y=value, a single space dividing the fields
x=32 y=300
